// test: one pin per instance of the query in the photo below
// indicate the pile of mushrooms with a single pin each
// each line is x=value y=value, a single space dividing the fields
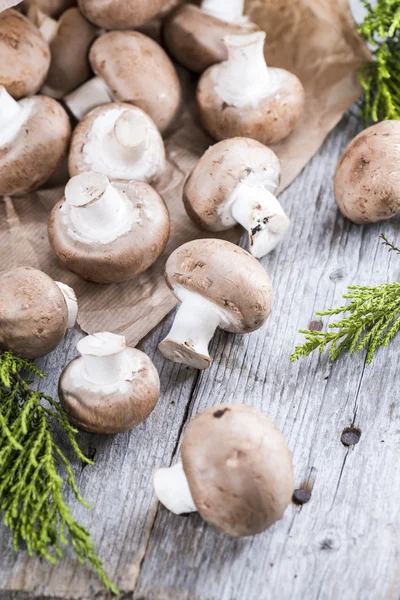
x=122 y=94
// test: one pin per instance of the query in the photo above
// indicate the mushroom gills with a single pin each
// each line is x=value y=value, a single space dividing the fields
x=260 y=213
x=89 y=95
x=13 y=115
x=71 y=302
x=104 y=359
x=172 y=489
x=230 y=11
x=194 y=326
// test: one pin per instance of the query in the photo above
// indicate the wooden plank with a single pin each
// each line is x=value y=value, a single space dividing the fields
x=344 y=542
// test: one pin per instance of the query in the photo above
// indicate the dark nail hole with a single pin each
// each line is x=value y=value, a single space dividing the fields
x=301 y=496
x=350 y=436
x=316 y=326
x=220 y=413
x=327 y=545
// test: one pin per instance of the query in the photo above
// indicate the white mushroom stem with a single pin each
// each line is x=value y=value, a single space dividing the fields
x=261 y=214
x=243 y=79
x=226 y=10
x=72 y=303
x=97 y=211
x=130 y=137
x=91 y=94
x=195 y=322
x=47 y=26
x=9 y=110
x=172 y=489
x=103 y=358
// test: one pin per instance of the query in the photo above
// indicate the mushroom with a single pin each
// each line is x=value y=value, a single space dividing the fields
x=120 y=141
x=235 y=182
x=110 y=387
x=130 y=67
x=34 y=135
x=193 y=35
x=367 y=178
x=236 y=471
x=53 y=8
x=35 y=312
x=24 y=55
x=107 y=232
x=70 y=39
x=121 y=14
x=218 y=285
x=243 y=97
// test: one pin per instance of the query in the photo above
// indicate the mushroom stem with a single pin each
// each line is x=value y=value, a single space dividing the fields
x=130 y=137
x=226 y=10
x=172 y=489
x=243 y=79
x=91 y=94
x=97 y=210
x=72 y=303
x=47 y=26
x=261 y=214
x=103 y=358
x=9 y=108
x=194 y=326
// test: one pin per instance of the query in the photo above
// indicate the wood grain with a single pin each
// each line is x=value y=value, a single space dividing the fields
x=344 y=541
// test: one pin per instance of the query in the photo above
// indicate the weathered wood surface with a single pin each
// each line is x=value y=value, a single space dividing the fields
x=345 y=542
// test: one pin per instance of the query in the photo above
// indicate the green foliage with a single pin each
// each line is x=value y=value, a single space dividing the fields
x=373 y=321
x=381 y=78
x=30 y=487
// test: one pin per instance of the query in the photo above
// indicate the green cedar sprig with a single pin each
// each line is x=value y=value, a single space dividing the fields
x=381 y=78
x=30 y=487
x=373 y=321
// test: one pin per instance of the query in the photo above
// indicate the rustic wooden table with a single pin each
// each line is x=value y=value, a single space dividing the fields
x=344 y=543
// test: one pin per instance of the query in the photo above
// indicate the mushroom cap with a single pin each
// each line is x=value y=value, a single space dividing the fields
x=194 y=38
x=219 y=171
x=367 y=178
x=33 y=312
x=53 y=8
x=109 y=410
x=24 y=55
x=137 y=70
x=239 y=469
x=88 y=152
x=37 y=150
x=272 y=120
x=226 y=275
x=128 y=255
x=120 y=14
x=70 y=66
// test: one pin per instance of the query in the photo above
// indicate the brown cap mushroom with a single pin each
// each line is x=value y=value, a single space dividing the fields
x=53 y=8
x=367 y=178
x=235 y=181
x=34 y=135
x=218 y=285
x=236 y=471
x=120 y=141
x=35 y=312
x=107 y=232
x=70 y=39
x=111 y=387
x=121 y=14
x=243 y=97
x=194 y=35
x=24 y=55
x=130 y=67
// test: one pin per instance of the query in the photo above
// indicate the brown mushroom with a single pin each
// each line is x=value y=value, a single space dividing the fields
x=121 y=14
x=367 y=178
x=234 y=182
x=218 y=285
x=111 y=387
x=120 y=141
x=35 y=312
x=130 y=67
x=194 y=35
x=107 y=232
x=53 y=8
x=242 y=97
x=70 y=38
x=236 y=471
x=34 y=135
x=24 y=55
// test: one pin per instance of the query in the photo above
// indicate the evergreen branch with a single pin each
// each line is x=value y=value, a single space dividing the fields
x=30 y=487
x=380 y=79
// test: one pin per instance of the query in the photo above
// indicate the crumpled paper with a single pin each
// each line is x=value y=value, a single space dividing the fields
x=315 y=39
